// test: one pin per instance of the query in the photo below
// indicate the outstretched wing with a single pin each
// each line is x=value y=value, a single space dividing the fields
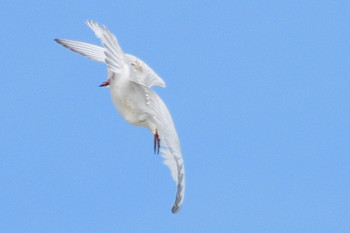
x=93 y=52
x=169 y=142
x=113 y=56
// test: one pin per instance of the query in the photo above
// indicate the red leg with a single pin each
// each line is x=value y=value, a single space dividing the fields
x=156 y=143
x=105 y=84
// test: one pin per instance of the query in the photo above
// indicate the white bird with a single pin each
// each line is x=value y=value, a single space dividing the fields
x=130 y=81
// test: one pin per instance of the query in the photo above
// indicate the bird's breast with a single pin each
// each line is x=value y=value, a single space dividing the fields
x=129 y=102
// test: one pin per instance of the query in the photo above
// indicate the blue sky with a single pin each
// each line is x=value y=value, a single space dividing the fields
x=259 y=93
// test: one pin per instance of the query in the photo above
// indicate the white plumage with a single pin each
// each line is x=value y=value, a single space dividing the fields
x=130 y=80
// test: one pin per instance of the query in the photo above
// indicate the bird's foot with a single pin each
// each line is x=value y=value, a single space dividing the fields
x=105 y=84
x=156 y=142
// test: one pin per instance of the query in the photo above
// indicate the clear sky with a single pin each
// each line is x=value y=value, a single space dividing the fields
x=259 y=93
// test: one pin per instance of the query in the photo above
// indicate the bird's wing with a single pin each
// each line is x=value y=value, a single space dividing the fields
x=113 y=56
x=119 y=62
x=93 y=52
x=144 y=73
x=169 y=142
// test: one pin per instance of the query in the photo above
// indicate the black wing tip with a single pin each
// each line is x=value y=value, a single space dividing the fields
x=59 y=41
x=175 y=209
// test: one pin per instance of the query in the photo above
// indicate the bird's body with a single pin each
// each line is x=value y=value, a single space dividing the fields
x=125 y=95
x=130 y=81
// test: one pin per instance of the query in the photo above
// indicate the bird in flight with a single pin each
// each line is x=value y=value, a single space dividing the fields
x=130 y=81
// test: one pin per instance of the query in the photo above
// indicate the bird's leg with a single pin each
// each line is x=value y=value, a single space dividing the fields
x=156 y=142
x=105 y=84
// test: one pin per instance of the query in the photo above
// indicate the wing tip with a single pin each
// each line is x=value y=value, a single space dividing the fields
x=89 y=22
x=62 y=42
x=178 y=201
x=94 y=25
x=175 y=209
x=57 y=40
x=161 y=83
